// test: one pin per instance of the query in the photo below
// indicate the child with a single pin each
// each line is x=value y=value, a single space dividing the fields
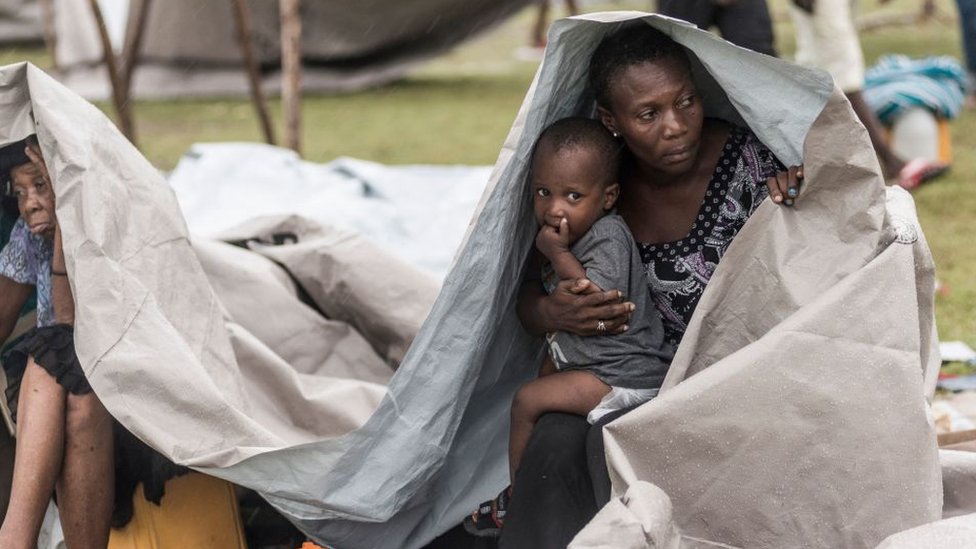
x=573 y=182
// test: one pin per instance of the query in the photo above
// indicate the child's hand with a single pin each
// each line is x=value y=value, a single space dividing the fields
x=551 y=241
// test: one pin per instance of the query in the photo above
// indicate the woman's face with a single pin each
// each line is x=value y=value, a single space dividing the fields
x=656 y=110
x=35 y=199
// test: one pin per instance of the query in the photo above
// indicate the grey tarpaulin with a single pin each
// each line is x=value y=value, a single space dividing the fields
x=172 y=364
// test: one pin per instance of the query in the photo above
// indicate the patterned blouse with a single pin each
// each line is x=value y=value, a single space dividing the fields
x=678 y=271
x=26 y=259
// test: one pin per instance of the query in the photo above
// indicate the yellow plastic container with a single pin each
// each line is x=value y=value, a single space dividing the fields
x=198 y=511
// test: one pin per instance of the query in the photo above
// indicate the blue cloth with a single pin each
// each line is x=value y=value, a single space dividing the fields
x=26 y=259
x=897 y=83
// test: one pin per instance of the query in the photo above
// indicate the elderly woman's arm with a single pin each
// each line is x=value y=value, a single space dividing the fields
x=13 y=295
x=61 y=298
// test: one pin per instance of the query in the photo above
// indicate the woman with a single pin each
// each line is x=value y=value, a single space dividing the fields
x=687 y=187
x=64 y=434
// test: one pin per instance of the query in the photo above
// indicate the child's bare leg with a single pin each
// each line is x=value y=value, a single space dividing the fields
x=40 y=448
x=548 y=367
x=573 y=392
x=87 y=483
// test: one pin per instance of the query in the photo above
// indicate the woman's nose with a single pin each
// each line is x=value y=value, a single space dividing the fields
x=32 y=201
x=674 y=123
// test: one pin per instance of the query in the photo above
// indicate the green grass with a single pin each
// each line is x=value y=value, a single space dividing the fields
x=459 y=108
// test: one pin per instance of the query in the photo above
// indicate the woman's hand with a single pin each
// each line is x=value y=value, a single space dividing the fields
x=785 y=186
x=34 y=154
x=579 y=307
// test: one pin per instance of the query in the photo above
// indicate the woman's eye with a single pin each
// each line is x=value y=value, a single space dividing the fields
x=542 y=192
x=687 y=101
x=647 y=115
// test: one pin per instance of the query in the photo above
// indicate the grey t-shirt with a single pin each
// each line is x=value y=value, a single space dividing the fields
x=637 y=358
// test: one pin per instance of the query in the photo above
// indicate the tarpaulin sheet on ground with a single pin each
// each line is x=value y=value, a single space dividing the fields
x=811 y=349
x=419 y=212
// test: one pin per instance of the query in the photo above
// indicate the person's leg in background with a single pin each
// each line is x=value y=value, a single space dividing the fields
x=967 y=24
x=698 y=12
x=826 y=37
x=747 y=23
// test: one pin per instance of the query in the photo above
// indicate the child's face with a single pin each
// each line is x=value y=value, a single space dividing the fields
x=570 y=184
x=35 y=199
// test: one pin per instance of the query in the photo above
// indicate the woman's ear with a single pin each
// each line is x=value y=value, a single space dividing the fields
x=610 y=194
x=606 y=117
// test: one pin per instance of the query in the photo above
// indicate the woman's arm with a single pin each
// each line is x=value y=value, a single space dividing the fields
x=13 y=295
x=576 y=306
x=61 y=298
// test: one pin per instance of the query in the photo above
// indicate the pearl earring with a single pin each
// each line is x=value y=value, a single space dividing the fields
x=616 y=135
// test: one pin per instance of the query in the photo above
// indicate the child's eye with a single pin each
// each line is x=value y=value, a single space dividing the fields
x=575 y=196
x=542 y=192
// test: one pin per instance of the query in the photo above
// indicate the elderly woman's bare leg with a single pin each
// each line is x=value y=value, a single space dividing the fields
x=87 y=482
x=40 y=447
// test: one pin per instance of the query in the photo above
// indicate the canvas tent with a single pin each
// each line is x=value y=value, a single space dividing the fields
x=20 y=21
x=193 y=368
x=190 y=48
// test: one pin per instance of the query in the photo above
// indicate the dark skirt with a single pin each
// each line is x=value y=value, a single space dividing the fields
x=53 y=350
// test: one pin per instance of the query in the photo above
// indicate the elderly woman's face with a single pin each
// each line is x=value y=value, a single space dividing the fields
x=656 y=110
x=35 y=199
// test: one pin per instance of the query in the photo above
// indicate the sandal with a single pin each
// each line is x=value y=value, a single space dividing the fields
x=918 y=171
x=488 y=519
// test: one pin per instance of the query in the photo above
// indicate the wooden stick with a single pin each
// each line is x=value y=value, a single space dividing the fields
x=291 y=66
x=242 y=19
x=133 y=44
x=957 y=437
x=118 y=98
x=50 y=36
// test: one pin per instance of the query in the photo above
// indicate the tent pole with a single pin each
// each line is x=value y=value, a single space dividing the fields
x=119 y=96
x=50 y=36
x=242 y=19
x=291 y=65
x=133 y=42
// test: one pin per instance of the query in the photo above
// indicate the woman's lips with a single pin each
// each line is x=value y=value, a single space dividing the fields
x=678 y=155
x=40 y=228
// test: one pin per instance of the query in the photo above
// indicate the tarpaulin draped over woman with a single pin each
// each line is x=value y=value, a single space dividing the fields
x=400 y=470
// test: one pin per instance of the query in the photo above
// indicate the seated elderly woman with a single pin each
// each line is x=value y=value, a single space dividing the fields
x=687 y=185
x=64 y=434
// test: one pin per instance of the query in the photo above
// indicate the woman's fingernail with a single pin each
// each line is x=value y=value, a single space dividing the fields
x=631 y=307
x=777 y=199
x=792 y=192
x=624 y=328
x=789 y=202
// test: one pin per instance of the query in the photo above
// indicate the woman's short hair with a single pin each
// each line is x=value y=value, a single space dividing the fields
x=629 y=46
